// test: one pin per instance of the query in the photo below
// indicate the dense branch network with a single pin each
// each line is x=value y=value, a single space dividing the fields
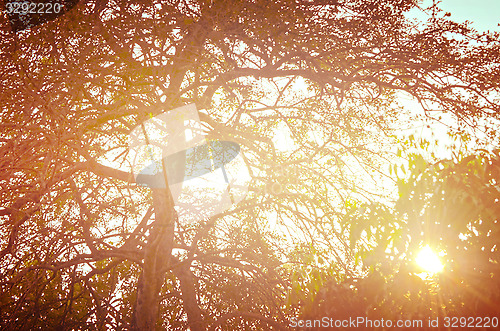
x=79 y=233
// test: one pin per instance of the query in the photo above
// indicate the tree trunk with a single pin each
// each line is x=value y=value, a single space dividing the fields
x=189 y=298
x=156 y=261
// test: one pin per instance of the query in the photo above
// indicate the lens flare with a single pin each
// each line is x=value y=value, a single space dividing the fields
x=429 y=261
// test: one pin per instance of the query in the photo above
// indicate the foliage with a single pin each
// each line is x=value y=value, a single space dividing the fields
x=84 y=247
x=450 y=205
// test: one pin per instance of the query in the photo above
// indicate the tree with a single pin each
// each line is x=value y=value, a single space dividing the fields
x=451 y=205
x=83 y=245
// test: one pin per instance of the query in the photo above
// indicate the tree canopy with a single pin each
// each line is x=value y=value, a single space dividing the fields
x=311 y=91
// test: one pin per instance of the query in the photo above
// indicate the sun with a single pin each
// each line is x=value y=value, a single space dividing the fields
x=429 y=261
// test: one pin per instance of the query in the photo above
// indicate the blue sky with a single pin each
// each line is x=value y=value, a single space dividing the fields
x=485 y=14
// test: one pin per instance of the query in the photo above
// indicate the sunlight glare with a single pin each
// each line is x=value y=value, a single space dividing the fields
x=429 y=261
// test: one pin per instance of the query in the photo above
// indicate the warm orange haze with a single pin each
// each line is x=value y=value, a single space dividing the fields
x=249 y=165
